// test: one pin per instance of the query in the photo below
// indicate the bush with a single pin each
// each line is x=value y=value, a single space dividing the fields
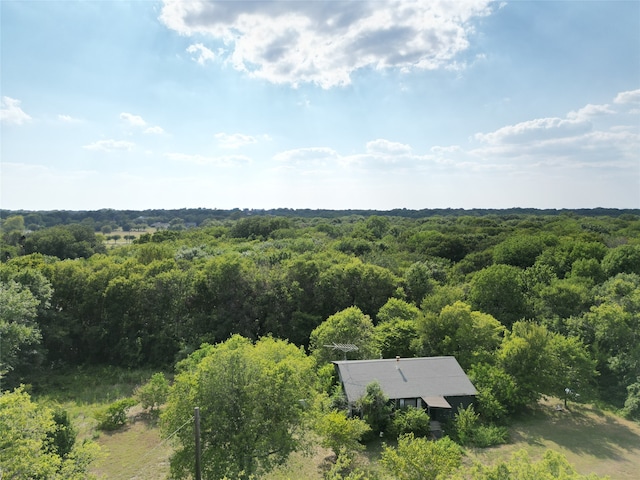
x=114 y=415
x=470 y=432
x=410 y=420
x=153 y=393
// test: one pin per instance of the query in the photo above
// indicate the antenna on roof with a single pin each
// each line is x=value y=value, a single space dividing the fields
x=343 y=347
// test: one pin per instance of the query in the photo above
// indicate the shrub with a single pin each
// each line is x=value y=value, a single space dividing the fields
x=469 y=431
x=153 y=393
x=114 y=415
x=410 y=420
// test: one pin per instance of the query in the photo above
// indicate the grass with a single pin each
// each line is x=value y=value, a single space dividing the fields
x=594 y=441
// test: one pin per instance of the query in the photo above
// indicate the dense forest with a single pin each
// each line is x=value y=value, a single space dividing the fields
x=530 y=302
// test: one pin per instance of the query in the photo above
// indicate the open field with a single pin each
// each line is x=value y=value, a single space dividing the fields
x=594 y=441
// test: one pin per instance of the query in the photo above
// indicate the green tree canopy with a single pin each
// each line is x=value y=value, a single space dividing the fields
x=349 y=326
x=27 y=443
x=251 y=398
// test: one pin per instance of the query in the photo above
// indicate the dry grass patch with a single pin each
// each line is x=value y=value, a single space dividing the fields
x=593 y=441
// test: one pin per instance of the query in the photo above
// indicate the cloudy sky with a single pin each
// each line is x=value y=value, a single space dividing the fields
x=320 y=104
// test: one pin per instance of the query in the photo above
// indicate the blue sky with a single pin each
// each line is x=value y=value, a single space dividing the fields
x=319 y=104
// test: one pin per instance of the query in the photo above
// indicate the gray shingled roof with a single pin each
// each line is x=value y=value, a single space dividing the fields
x=407 y=378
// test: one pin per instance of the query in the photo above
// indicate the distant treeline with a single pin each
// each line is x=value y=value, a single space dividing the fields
x=198 y=216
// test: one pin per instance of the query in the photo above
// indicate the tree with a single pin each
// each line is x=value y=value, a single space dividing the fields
x=350 y=326
x=497 y=290
x=545 y=363
x=153 y=393
x=622 y=259
x=251 y=398
x=339 y=432
x=468 y=335
x=18 y=329
x=375 y=409
x=26 y=448
x=421 y=458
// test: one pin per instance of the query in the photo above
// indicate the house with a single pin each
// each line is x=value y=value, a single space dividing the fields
x=437 y=384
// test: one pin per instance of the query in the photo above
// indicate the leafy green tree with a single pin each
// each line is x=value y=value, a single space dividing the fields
x=497 y=290
x=421 y=458
x=26 y=448
x=468 y=335
x=396 y=337
x=622 y=259
x=441 y=296
x=350 y=326
x=375 y=409
x=545 y=363
x=355 y=283
x=497 y=392
x=153 y=393
x=18 y=329
x=65 y=241
x=421 y=278
x=396 y=308
x=519 y=250
x=339 y=432
x=251 y=399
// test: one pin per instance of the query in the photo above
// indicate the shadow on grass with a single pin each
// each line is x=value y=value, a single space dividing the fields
x=581 y=429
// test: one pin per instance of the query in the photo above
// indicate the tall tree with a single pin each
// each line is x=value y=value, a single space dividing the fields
x=349 y=326
x=251 y=398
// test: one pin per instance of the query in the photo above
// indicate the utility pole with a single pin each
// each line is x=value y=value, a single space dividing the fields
x=196 y=417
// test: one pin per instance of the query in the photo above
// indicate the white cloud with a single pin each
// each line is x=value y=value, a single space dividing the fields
x=110 y=145
x=11 y=113
x=631 y=96
x=201 y=53
x=220 y=161
x=133 y=120
x=534 y=131
x=326 y=42
x=593 y=136
x=386 y=147
x=234 y=140
x=588 y=112
x=154 y=130
x=68 y=119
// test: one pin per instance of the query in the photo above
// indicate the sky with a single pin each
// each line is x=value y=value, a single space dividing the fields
x=319 y=104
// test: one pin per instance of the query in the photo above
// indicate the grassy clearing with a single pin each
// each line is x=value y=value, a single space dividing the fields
x=592 y=440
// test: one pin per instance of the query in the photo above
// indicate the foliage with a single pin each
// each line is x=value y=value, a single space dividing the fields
x=375 y=409
x=470 y=432
x=344 y=468
x=26 y=449
x=410 y=420
x=543 y=362
x=421 y=459
x=64 y=241
x=251 y=399
x=114 y=415
x=154 y=393
x=349 y=326
x=552 y=466
x=497 y=392
x=18 y=329
x=468 y=335
x=339 y=432
x=497 y=290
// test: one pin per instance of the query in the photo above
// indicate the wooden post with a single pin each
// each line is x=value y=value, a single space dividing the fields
x=196 y=417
